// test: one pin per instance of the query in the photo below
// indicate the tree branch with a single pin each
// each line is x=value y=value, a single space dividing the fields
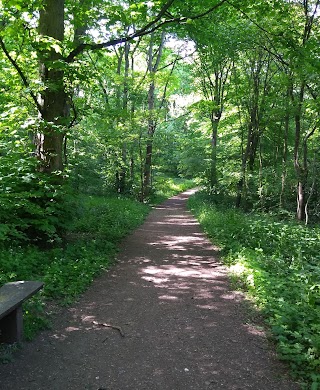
x=21 y=74
x=158 y=54
x=167 y=82
x=147 y=29
x=312 y=92
x=266 y=32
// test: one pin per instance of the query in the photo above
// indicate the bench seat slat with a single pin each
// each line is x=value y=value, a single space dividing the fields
x=13 y=294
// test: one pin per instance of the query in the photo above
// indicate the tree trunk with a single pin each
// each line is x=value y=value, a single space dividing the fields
x=254 y=124
x=149 y=147
x=285 y=151
x=300 y=201
x=153 y=65
x=53 y=97
x=124 y=168
x=215 y=119
x=300 y=169
x=213 y=87
x=248 y=159
x=258 y=86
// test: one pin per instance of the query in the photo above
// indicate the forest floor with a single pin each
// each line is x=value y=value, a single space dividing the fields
x=162 y=318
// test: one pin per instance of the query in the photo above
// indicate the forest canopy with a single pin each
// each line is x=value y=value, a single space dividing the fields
x=104 y=96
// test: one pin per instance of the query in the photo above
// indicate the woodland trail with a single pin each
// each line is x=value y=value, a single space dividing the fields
x=174 y=323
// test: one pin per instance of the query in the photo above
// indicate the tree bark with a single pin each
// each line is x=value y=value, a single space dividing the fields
x=285 y=148
x=53 y=98
x=215 y=119
x=153 y=65
x=300 y=169
x=124 y=168
x=301 y=165
x=214 y=75
x=149 y=147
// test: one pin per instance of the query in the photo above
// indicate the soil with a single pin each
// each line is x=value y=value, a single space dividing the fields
x=162 y=318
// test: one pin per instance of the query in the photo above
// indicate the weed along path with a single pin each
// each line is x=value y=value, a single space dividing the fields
x=163 y=318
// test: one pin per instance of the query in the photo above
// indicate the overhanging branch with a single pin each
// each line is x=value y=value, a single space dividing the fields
x=154 y=25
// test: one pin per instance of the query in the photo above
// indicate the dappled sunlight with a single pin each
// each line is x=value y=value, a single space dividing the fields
x=212 y=324
x=178 y=242
x=255 y=331
x=205 y=294
x=174 y=222
x=179 y=275
x=168 y=297
x=87 y=319
x=181 y=272
x=208 y=307
x=72 y=329
x=85 y=324
x=140 y=260
x=229 y=296
x=164 y=311
x=155 y=280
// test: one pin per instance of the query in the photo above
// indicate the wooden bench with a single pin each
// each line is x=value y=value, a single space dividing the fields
x=12 y=295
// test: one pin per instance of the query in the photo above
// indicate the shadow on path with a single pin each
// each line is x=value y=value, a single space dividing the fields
x=184 y=329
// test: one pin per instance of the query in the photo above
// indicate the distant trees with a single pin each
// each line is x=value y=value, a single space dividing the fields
x=87 y=85
x=270 y=93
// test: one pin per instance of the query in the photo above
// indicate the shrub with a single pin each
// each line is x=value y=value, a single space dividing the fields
x=277 y=263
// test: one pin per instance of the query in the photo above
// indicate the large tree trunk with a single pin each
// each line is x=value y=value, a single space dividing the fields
x=53 y=97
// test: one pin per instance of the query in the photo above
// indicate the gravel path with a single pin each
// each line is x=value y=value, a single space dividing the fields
x=176 y=324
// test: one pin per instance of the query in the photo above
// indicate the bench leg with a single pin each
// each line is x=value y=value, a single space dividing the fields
x=11 y=327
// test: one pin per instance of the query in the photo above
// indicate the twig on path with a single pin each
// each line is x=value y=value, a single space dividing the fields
x=109 y=326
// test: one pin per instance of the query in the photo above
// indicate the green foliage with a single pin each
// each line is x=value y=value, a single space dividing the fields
x=91 y=245
x=7 y=352
x=73 y=269
x=165 y=187
x=35 y=317
x=33 y=207
x=109 y=218
x=278 y=265
x=258 y=81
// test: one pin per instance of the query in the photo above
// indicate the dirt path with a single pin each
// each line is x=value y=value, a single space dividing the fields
x=183 y=328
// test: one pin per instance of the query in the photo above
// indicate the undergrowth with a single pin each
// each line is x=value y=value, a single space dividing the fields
x=90 y=245
x=277 y=263
x=165 y=187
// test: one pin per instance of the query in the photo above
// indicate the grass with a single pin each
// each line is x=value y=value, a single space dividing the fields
x=165 y=187
x=278 y=265
x=98 y=226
